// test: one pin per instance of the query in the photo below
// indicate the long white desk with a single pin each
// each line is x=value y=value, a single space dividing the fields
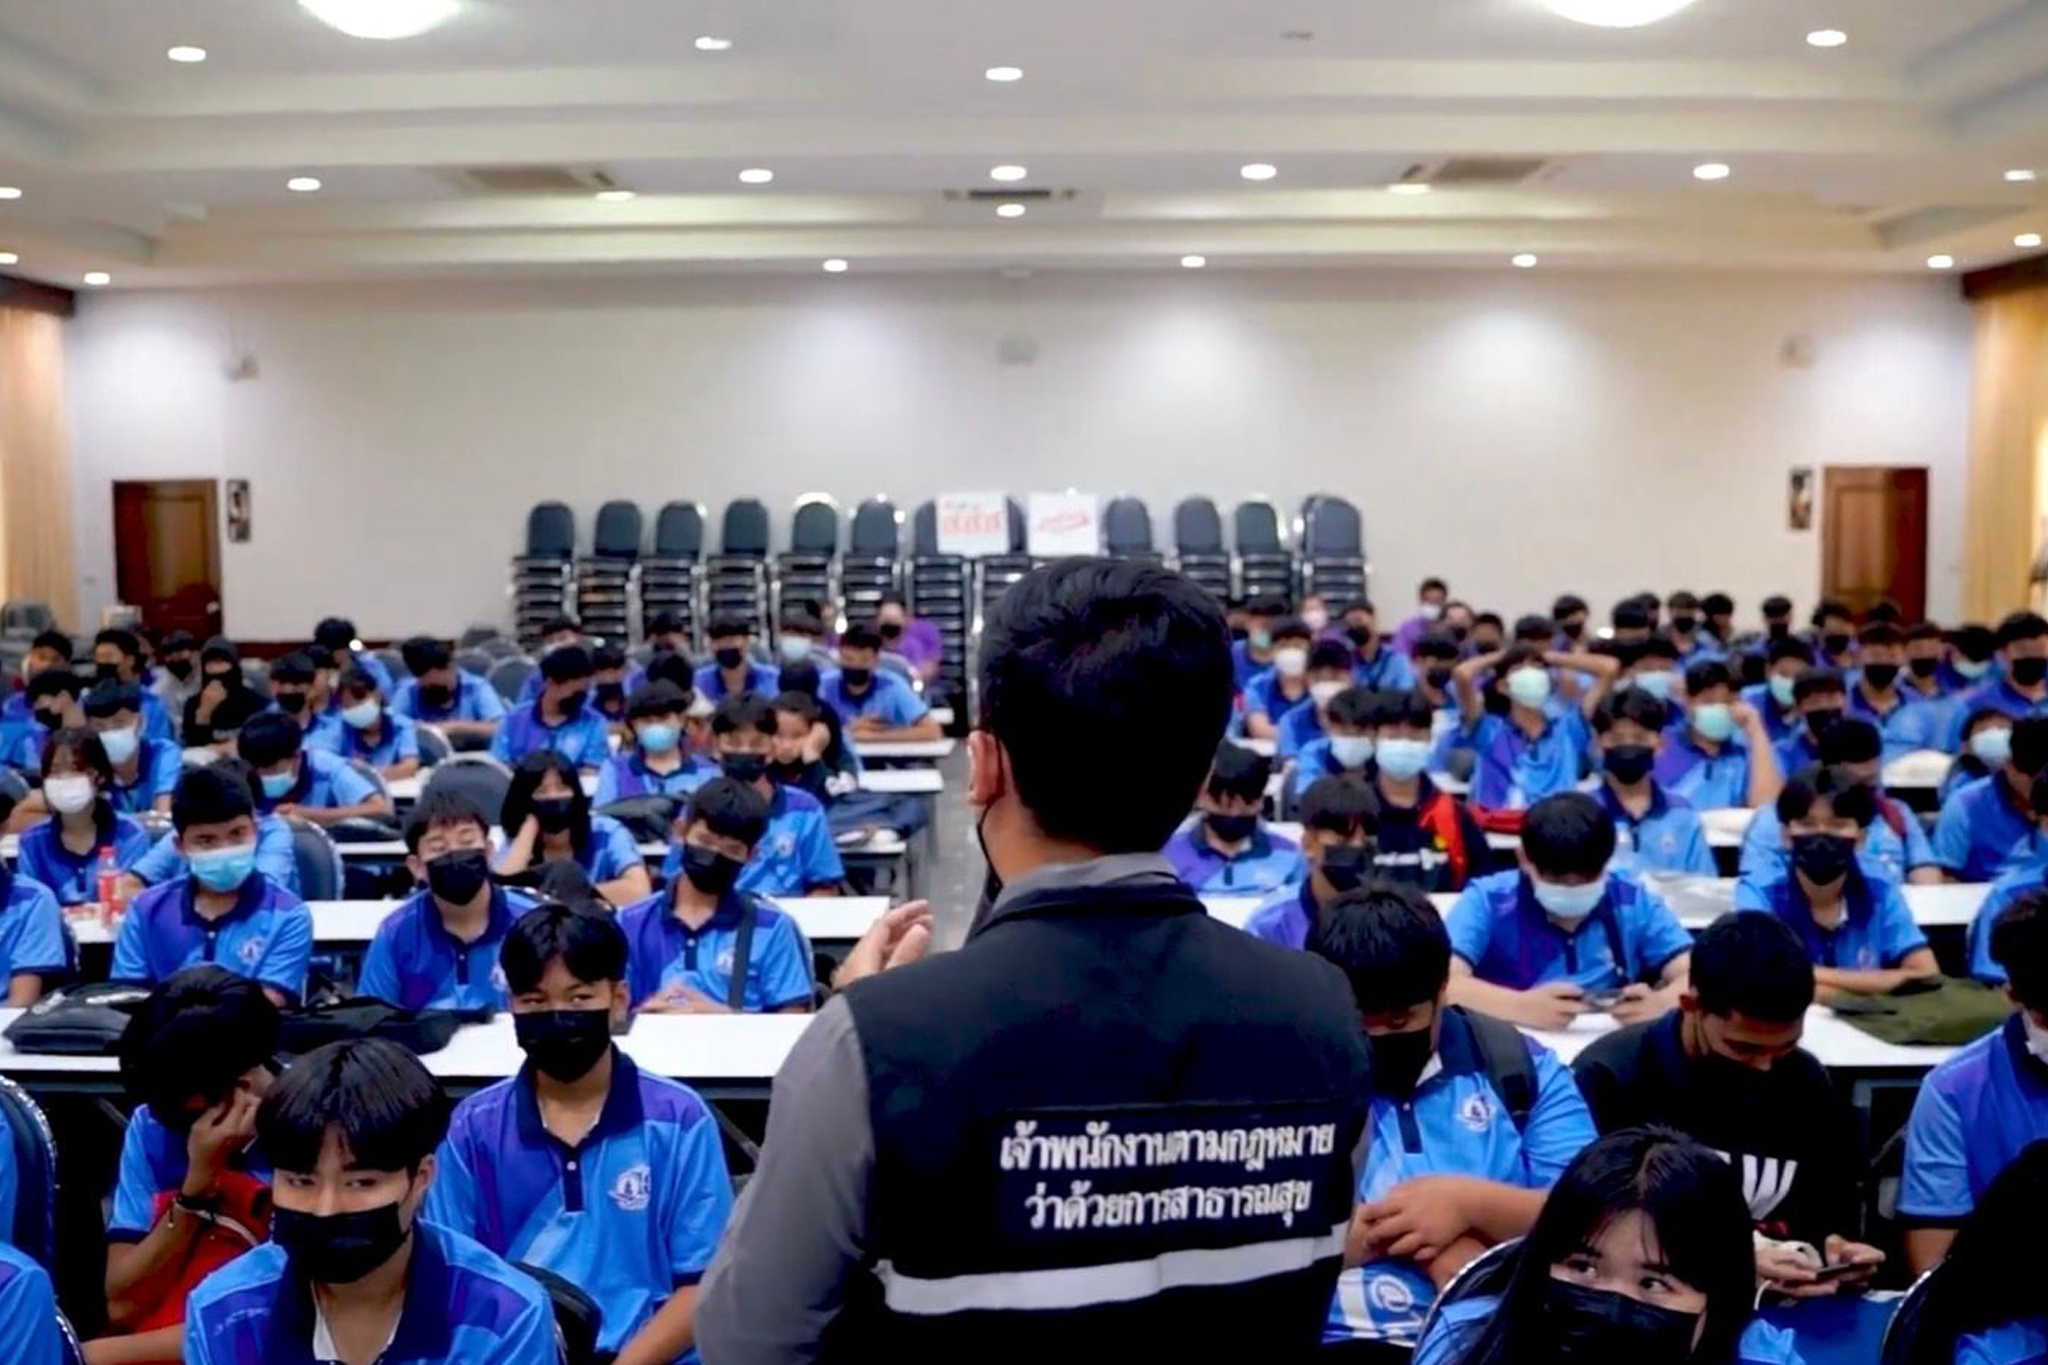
x=895 y=781
x=1839 y=1045
x=904 y=750
x=882 y=843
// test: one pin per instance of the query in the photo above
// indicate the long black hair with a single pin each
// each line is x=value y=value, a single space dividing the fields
x=1697 y=1216
x=1992 y=1275
x=526 y=779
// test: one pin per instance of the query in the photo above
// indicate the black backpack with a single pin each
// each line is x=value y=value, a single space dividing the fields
x=362 y=1016
x=1505 y=1055
x=85 y=1021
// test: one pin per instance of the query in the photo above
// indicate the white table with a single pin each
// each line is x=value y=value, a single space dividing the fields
x=1837 y=1044
x=903 y=781
x=920 y=750
x=1921 y=770
x=944 y=716
x=406 y=790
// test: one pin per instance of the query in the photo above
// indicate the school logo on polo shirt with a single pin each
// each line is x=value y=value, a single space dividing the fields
x=251 y=951
x=785 y=845
x=1389 y=1294
x=498 y=982
x=634 y=1188
x=1475 y=1113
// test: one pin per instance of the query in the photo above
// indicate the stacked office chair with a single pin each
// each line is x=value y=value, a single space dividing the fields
x=1332 y=550
x=735 y=579
x=670 y=577
x=604 y=577
x=806 y=571
x=1265 y=565
x=998 y=572
x=1198 y=545
x=869 y=568
x=937 y=590
x=540 y=577
x=1127 y=530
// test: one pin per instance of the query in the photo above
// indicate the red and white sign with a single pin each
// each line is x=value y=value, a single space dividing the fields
x=974 y=524
x=1061 y=524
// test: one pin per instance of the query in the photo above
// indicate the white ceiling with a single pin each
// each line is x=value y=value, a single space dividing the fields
x=1868 y=157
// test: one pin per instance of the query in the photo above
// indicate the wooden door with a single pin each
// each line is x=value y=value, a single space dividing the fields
x=1873 y=540
x=167 y=552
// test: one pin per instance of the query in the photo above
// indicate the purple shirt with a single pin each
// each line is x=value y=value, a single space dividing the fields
x=1410 y=634
x=919 y=644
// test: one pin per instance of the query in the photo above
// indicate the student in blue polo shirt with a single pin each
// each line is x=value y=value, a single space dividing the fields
x=1546 y=942
x=1973 y=653
x=1986 y=746
x=33 y=950
x=196 y=1059
x=63 y=853
x=1282 y=684
x=1985 y=1308
x=683 y=943
x=276 y=858
x=1329 y=673
x=2020 y=686
x=796 y=857
x=612 y=678
x=547 y=818
x=1653 y=666
x=1854 y=923
x=117 y=658
x=54 y=700
x=872 y=703
x=1978 y=1109
x=2029 y=876
x=1345 y=748
x=299 y=688
x=1878 y=694
x=1927 y=678
x=352 y=1129
x=439 y=948
x=223 y=910
x=1786 y=657
x=1688 y=633
x=336 y=649
x=1655 y=830
x=28 y=1311
x=1834 y=635
x=561 y=720
x=1227 y=850
x=653 y=762
x=1720 y=756
x=732 y=669
x=1895 y=844
x=1449 y=1151
x=305 y=783
x=1253 y=654
x=371 y=731
x=453 y=700
x=1821 y=698
x=1339 y=819
x=1535 y=750
x=144 y=770
x=1375 y=663
x=583 y=1164
x=1988 y=828
x=51 y=649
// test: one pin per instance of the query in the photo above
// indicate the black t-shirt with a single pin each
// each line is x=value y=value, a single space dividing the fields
x=1435 y=844
x=1797 y=1144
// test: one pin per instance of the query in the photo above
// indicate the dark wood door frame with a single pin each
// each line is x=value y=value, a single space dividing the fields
x=193 y=602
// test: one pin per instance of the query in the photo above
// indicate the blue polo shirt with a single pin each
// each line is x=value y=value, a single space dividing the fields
x=15 y=720
x=1285 y=917
x=1456 y=1330
x=1984 y=833
x=629 y=683
x=397 y=740
x=267 y=936
x=275 y=856
x=1388 y=670
x=1298 y=726
x=662 y=952
x=1315 y=762
x=74 y=877
x=1268 y=863
x=1796 y=752
x=1778 y=722
x=2007 y=889
x=156 y=718
x=1908 y=727
x=888 y=699
x=626 y=775
x=1263 y=695
x=1514 y=772
x=1243 y=666
x=762 y=678
x=1456 y=1123
x=413 y=962
x=158 y=765
x=1705 y=781
x=28 y=1311
x=1974 y=1114
x=1499 y=929
x=2012 y=1343
x=31 y=931
x=475 y=699
x=628 y=1215
x=326 y=782
x=1878 y=931
x=463 y=1306
x=794 y=856
x=1667 y=838
x=582 y=741
x=154 y=1161
x=1895 y=851
x=1997 y=694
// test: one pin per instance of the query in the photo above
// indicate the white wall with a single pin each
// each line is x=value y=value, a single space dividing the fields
x=1518 y=433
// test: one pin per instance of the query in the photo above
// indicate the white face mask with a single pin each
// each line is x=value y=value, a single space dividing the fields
x=1290 y=662
x=69 y=794
x=2037 y=1037
x=1323 y=691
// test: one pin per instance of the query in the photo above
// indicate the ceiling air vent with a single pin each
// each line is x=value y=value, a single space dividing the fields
x=1482 y=170
x=532 y=179
x=1008 y=196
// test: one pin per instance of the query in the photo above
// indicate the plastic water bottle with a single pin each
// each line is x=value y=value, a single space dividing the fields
x=111 y=904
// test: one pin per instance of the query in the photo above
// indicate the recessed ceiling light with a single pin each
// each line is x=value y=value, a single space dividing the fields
x=1826 y=37
x=613 y=196
x=96 y=277
x=10 y=192
x=303 y=184
x=1525 y=261
x=1193 y=262
x=9 y=258
x=2019 y=175
x=381 y=19
x=756 y=175
x=707 y=43
x=835 y=266
x=1003 y=75
x=1711 y=170
x=1616 y=13
x=1006 y=174
x=1009 y=210
x=1409 y=187
x=2028 y=240
x=1941 y=262
x=1258 y=170
x=186 y=54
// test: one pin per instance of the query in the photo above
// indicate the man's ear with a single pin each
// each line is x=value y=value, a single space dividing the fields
x=416 y=867
x=988 y=769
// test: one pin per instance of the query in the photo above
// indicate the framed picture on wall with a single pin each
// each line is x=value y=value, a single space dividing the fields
x=1799 y=498
x=238 y=509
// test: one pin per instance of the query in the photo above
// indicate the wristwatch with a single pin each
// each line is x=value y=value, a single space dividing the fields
x=202 y=1207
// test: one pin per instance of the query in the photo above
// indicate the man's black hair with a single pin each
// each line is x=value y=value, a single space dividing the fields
x=1923 y=630
x=1974 y=642
x=1706 y=675
x=1631 y=704
x=1777 y=605
x=1330 y=656
x=743 y=712
x=297 y=667
x=1788 y=647
x=2021 y=625
x=1846 y=794
x=727 y=625
x=1682 y=600
x=1815 y=682
x=801 y=676
x=2030 y=744
x=565 y=663
x=356 y=681
x=800 y=704
x=1881 y=633
x=442 y=806
x=53 y=682
x=424 y=654
x=1829 y=609
x=1656 y=647
x=1490 y=618
x=336 y=632
x=1752 y=964
x=1539 y=630
x=802 y=622
x=2019 y=943
x=667 y=623
x=56 y=641
x=656 y=699
x=674 y=668
x=1358 y=604
x=1268 y=605
x=1568 y=835
x=592 y=947
x=1433 y=585
x=235 y=770
x=1091 y=656
x=606 y=657
x=1340 y=806
x=1290 y=628
x=1884 y=611
x=269 y=738
x=1239 y=772
x=205 y=797
x=1717 y=604
x=1389 y=942
x=1355 y=706
x=1628 y=614
x=1407 y=709
x=112 y=698
x=1851 y=740
x=861 y=635
x=390 y=1114
x=199 y=1032
x=732 y=810
x=1437 y=644
x=560 y=625
x=1569 y=604
x=123 y=640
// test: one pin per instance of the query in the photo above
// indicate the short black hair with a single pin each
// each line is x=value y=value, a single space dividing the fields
x=1656 y=647
x=1850 y=740
x=235 y=770
x=86 y=750
x=606 y=657
x=732 y=810
x=1535 y=629
x=1923 y=630
x=112 y=698
x=656 y=699
x=1706 y=675
x=1267 y=604
x=206 y=797
x=1628 y=614
x=1683 y=600
x=1489 y=618
x=673 y=667
x=2019 y=943
x=1432 y=585
x=1238 y=771
x=1884 y=611
x=1788 y=647
x=268 y=738
x=1718 y=604
x=2030 y=744
x=742 y=712
x=1829 y=609
x=1568 y=604
x=424 y=654
x=1974 y=642
x=2021 y=625
x=1330 y=656
x=592 y=947
x=1354 y=706
x=1881 y=633
x=1777 y=604
x=667 y=623
x=53 y=682
x=1751 y=963
x=802 y=621
x=390 y=1113
x=1437 y=644
x=357 y=681
x=565 y=663
x=1389 y=942
x=442 y=806
x=801 y=675
x=1402 y=708
x=335 y=632
x=123 y=640
x=726 y=624
x=56 y=641
x=801 y=704
x=1630 y=704
x=297 y=667
x=1846 y=793
x=1814 y=682
x=1090 y=656
x=198 y=1033
x=861 y=636
x=1340 y=806
x=1568 y=835
x=1361 y=604
x=560 y=625
x=527 y=775
x=1290 y=628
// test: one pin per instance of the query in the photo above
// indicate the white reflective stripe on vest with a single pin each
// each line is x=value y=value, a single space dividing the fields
x=1118 y=1282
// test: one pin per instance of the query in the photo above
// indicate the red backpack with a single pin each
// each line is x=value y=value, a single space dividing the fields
x=1440 y=817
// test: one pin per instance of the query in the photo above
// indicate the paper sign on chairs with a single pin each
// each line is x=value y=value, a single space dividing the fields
x=974 y=524
x=1062 y=524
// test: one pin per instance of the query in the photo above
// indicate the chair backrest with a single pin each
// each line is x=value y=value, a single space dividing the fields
x=1487 y=1273
x=13 y=786
x=480 y=777
x=509 y=676
x=394 y=663
x=1019 y=530
x=745 y=529
x=1331 y=530
x=876 y=531
x=1256 y=528
x=550 y=531
x=500 y=648
x=434 y=745
x=578 y=1319
x=924 y=530
x=1127 y=527
x=814 y=527
x=1198 y=527
x=1904 y=1328
x=369 y=774
x=475 y=661
x=25 y=617
x=679 y=531
x=34 y=1154
x=650 y=819
x=617 y=533
x=476 y=635
x=318 y=861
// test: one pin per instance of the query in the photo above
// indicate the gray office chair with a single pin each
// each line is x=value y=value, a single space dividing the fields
x=318 y=860
x=480 y=777
x=434 y=745
x=509 y=676
x=1486 y=1274
x=34 y=1153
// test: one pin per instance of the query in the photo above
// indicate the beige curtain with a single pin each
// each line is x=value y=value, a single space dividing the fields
x=2008 y=439
x=35 y=464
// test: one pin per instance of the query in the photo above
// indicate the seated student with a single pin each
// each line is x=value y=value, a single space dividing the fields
x=2026 y=874
x=1534 y=750
x=1488 y=634
x=1434 y=1174
x=301 y=689
x=1346 y=746
x=560 y=720
x=305 y=783
x=1726 y=1069
x=1431 y=606
x=1338 y=820
x=336 y=648
x=1834 y=636
x=455 y=701
x=651 y=1144
x=653 y=762
x=1253 y=654
x=558 y=633
x=49 y=649
x=1329 y=673
x=2020 y=686
x=1570 y=614
x=1537 y=945
x=914 y=638
x=799 y=635
x=34 y=953
x=353 y=1272
x=1375 y=663
x=276 y=858
x=1721 y=756
x=63 y=853
x=177 y=656
x=612 y=679
x=439 y=948
x=117 y=658
x=1426 y=837
x=1652 y=666
x=372 y=731
x=1987 y=828
x=1895 y=844
x=1283 y=685
x=547 y=818
x=193 y=1190
x=1877 y=695
x=1436 y=666
x=222 y=700
x=222 y=910
x=1718 y=628
x=144 y=770
x=1986 y=748
x=1977 y=1110
x=1985 y=1307
x=685 y=941
x=732 y=669
x=873 y=704
x=28 y=1311
x=1688 y=631
x=1775 y=697
x=1821 y=699
x=804 y=742
x=1655 y=830
x=667 y=632
x=797 y=856
x=1227 y=851
x=676 y=670
x=1641 y=1254
x=1973 y=653
x=1927 y=678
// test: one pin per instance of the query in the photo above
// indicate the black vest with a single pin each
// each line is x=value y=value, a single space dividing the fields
x=1108 y=1127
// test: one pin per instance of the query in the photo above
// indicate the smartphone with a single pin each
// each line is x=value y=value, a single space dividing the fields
x=1604 y=1001
x=1837 y=1270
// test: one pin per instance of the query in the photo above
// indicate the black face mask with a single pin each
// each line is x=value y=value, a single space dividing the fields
x=1359 y=635
x=1685 y=625
x=457 y=877
x=710 y=871
x=747 y=768
x=571 y=705
x=49 y=720
x=1778 y=630
x=857 y=679
x=1819 y=722
x=339 y=1248
x=229 y=678
x=610 y=696
x=1398 y=1060
x=1925 y=667
x=292 y=703
x=2028 y=672
x=553 y=813
x=1572 y=630
x=1880 y=676
x=1346 y=865
x=1595 y=1327
x=1459 y=633
x=1629 y=764
x=1835 y=643
x=180 y=669
x=730 y=657
x=1439 y=676
x=564 y=1044
x=437 y=695
x=106 y=672
x=1824 y=858
x=889 y=630
x=1231 y=829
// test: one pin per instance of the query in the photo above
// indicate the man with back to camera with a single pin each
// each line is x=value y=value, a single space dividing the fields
x=1107 y=1118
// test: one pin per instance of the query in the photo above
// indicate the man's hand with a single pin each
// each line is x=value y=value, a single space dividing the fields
x=900 y=936
x=1415 y=1220
x=1802 y=1284
x=683 y=998
x=1640 y=1003
x=1553 y=1005
x=220 y=1133
x=866 y=727
x=286 y=810
x=1745 y=716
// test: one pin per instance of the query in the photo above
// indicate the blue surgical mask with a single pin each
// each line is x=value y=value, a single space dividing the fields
x=362 y=715
x=1529 y=687
x=1351 y=751
x=794 y=648
x=1992 y=746
x=120 y=744
x=1259 y=639
x=1658 y=682
x=1402 y=759
x=659 y=737
x=276 y=785
x=1781 y=689
x=1973 y=669
x=1568 y=903
x=1714 y=721
x=223 y=869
